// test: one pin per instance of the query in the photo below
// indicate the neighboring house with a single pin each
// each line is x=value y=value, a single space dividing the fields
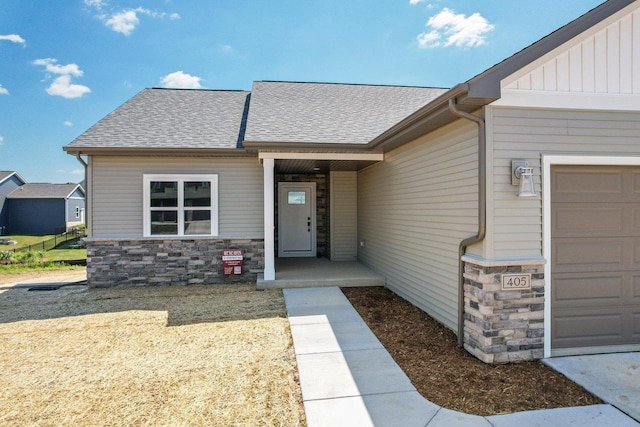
x=9 y=181
x=416 y=183
x=35 y=209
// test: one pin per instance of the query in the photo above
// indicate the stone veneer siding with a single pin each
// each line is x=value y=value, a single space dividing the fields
x=503 y=326
x=170 y=261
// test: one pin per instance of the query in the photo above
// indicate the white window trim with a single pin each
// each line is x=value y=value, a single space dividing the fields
x=547 y=162
x=180 y=178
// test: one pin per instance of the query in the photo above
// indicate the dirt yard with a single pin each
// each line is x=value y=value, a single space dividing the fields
x=449 y=376
x=201 y=355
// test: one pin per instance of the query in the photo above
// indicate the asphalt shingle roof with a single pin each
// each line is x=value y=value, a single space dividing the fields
x=328 y=112
x=171 y=118
x=42 y=191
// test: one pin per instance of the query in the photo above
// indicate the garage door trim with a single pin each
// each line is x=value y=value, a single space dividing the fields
x=547 y=162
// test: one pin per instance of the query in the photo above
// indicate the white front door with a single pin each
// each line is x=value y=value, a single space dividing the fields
x=297 y=219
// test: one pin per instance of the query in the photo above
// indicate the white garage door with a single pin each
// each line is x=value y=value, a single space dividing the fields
x=595 y=266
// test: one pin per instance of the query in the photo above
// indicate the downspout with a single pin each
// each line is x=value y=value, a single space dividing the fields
x=86 y=192
x=482 y=209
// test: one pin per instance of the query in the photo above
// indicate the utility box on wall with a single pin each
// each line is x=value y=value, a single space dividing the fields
x=232 y=262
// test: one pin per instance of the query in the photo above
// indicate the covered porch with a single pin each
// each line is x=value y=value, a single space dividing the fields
x=316 y=272
x=310 y=220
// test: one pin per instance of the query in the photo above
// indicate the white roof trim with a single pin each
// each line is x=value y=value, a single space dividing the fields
x=321 y=156
x=572 y=100
x=13 y=174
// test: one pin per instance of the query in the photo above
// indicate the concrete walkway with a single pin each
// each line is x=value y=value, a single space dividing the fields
x=349 y=379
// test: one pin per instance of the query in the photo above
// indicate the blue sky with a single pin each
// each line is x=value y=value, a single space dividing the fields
x=66 y=64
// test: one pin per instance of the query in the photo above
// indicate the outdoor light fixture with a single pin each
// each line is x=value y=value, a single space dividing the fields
x=522 y=176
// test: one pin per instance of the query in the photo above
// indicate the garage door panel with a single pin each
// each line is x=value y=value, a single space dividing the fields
x=636 y=181
x=587 y=185
x=579 y=289
x=599 y=327
x=595 y=220
x=596 y=254
x=582 y=329
x=635 y=214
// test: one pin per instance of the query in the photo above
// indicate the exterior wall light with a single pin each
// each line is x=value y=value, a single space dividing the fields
x=522 y=176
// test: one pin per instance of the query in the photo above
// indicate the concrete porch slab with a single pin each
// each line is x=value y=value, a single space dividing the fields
x=320 y=272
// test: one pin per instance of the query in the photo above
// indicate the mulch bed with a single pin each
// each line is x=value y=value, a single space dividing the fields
x=449 y=376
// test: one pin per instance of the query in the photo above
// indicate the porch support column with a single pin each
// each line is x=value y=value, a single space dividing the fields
x=269 y=227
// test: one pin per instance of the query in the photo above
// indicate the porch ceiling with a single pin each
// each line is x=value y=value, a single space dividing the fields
x=319 y=166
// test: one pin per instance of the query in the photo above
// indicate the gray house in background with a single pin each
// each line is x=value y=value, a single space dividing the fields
x=9 y=181
x=34 y=209
x=506 y=207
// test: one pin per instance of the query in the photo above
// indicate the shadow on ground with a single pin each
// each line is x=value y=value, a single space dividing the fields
x=183 y=305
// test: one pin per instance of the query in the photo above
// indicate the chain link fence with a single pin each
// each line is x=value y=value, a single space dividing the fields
x=46 y=245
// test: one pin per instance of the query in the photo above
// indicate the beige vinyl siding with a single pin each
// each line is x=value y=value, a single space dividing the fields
x=414 y=208
x=521 y=133
x=117 y=192
x=344 y=223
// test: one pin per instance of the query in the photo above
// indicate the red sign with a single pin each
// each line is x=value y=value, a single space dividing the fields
x=232 y=262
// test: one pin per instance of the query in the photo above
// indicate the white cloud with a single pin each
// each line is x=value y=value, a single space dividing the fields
x=51 y=67
x=13 y=38
x=450 y=29
x=78 y=172
x=124 y=22
x=68 y=124
x=181 y=80
x=414 y=2
x=97 y=4
x=3 y=90
x=61 y=85
x=1 y=140
x=127 y=20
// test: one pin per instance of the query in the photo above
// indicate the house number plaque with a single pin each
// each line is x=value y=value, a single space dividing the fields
x=516 y=281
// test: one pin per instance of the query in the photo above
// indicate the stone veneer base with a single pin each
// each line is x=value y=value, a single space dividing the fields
x=503 y=326
x=171 y=261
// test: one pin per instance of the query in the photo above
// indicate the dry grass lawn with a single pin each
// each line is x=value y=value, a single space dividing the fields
x=170 y=356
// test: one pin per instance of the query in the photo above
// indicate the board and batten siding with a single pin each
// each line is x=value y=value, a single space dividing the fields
x=601 y=60
x=116 y=198
x=344 y=215
x=414 y=208
x=529 y=133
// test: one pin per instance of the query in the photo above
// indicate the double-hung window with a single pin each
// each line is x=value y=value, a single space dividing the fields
x=180 y=205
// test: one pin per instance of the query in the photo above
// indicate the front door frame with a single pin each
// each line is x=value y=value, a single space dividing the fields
x=283 y=187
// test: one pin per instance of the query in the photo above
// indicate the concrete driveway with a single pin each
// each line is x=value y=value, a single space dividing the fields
x=614 y=378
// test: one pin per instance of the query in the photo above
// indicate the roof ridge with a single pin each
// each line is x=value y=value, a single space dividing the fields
x=349 y=84
x=196 y=90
